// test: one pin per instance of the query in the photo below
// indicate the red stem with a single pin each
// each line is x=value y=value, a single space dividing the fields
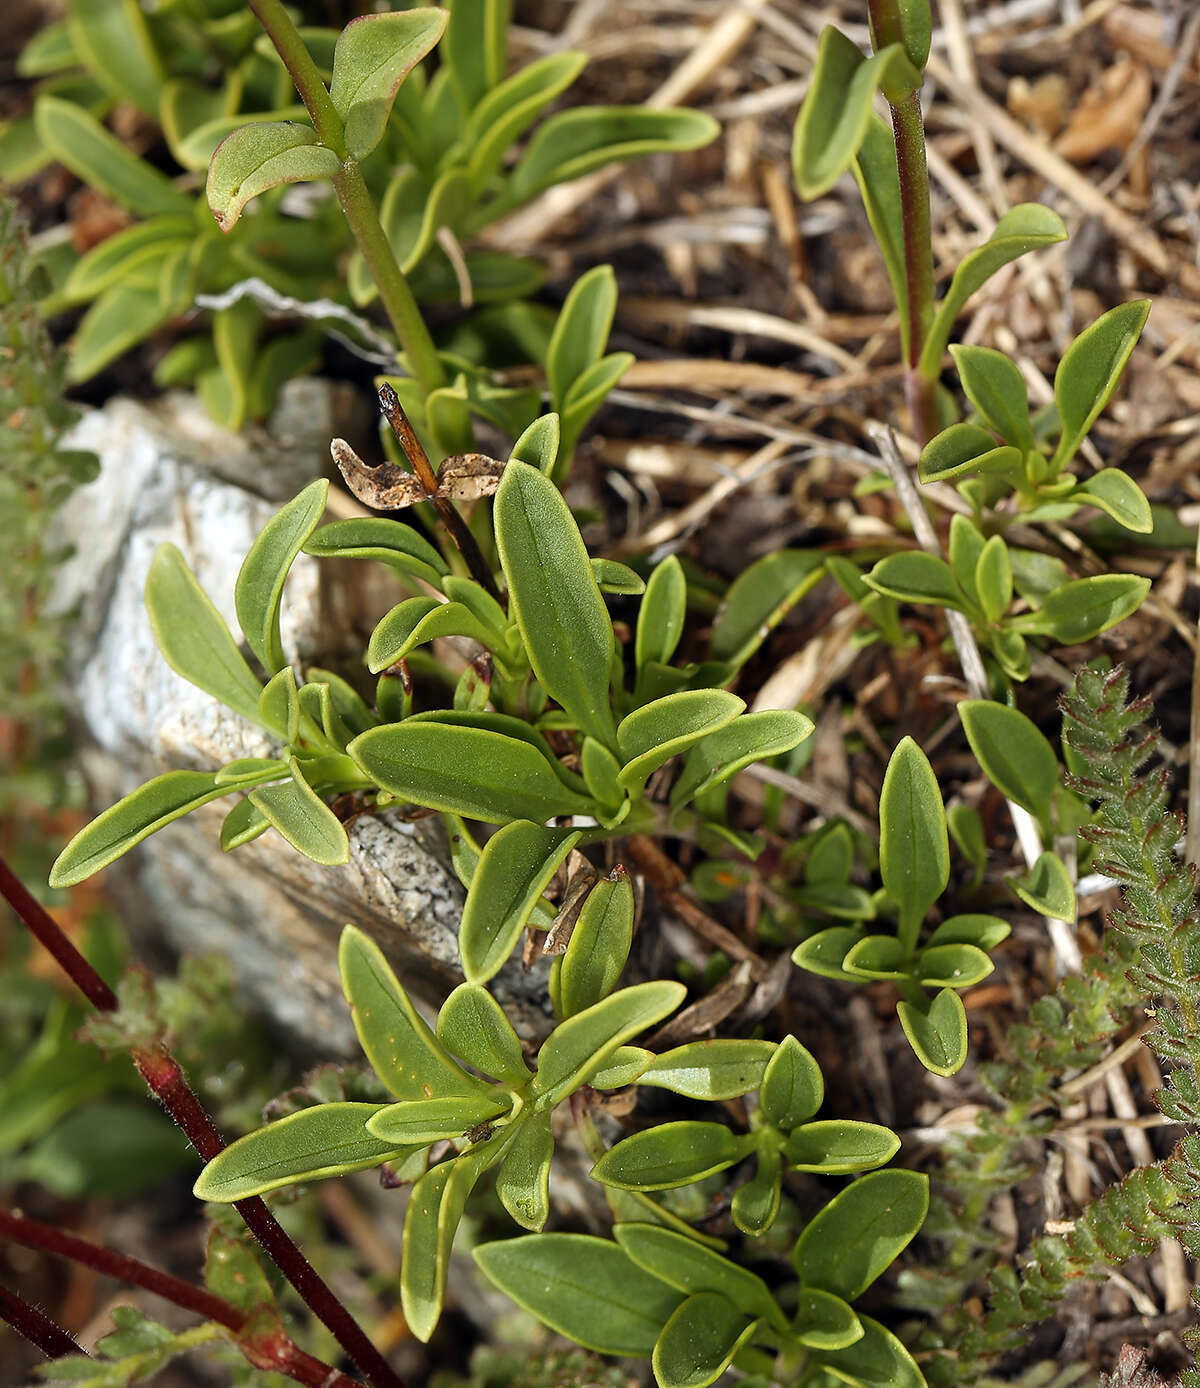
x=162 y=1073
x=36 y=1327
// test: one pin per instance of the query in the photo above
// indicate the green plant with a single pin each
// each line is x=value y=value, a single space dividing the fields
x=1008 y=466
x=429 y=149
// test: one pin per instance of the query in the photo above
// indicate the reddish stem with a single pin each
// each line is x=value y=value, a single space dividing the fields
x=161 y=1071
x=36 y=1327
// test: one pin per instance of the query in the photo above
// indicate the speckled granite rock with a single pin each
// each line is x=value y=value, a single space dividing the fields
x=168 y=473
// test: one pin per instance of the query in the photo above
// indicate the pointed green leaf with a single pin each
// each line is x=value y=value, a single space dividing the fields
x=839 y=1145
x=914 y=576
x=599 y=945
x=623 y=1067
x=792 y=1087
x=937 y=1031
x=373 y=55
x=750 y=738
x=304 y=819
x=823 y=952
x=265 y=154
x=914 y=848
x=859 y=1233
x=585 y=1288
x=1027 y=227
x=327 y=1140
x=417 y=1122
x=996 y=388
x=112 y=40
x=243 y=824
x=514 y=870
x=194 y=640
x=672 y=1154
x=510 y=108
x=758 y=600
x=1084 y=608
x=395 y=1038
x=993 y=579
x=132 y=819
x=523 y=1181
x=464 y=770
x=554 y=597
x=755 y=1204
x=264 y=570
x=415 y=621
x=688 y=1266
x=654 y=733
x=662 y=613
x=580 y=331
x=876 y=1360
x=538 y=446
x=472 y=1024
x=1089 y=372
x=578 y=1047
x=719 y=1069
x=1014 y=755
x=1119 y=496
x=834 y=118
x=698 y=1343
x=388 y=541
x=964 y=449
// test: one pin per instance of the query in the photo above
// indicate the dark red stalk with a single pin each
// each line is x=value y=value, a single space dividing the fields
x=36 y=1327
x=161 y=1071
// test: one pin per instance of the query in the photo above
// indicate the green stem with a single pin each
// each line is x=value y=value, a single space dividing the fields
x=909 y=128
x=355 y=197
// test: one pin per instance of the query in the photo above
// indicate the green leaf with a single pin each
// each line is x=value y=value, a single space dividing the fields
x=585 y=1288
x=688 y=1266
x=1080 y=610
x=654 y=733
x=755 y=1204
x=984 y=932
x=792 y=1087
x=510 y=108
x=623 y=1067
x=416 y=621
x=963 y=449
x=837 y=1145
x=538 y=446
x=1047 y=888
x=836 y=113
x=389 y=542
x=266 y=154
x=1027 y=227
x=750 y=738
x=601 y=774
x=580 y=331
x=553 y=595
x=192 y=637
x=50 y=49
x=584 y=398
x=996 y=388
x=824 y=1321
x=119 y=319
x=373 y=55
x=952 y=966
x=914 y=576
x=464 y=770
x=523 y=1181
x=720 y=1069
x=878 y=182
x=860 y=1232
x=395 y=1038
x=265 y=568
x=1119 y=496
x=304 y=819
x=327 y=1140
x=876 y=1360
x=417 y=1122
x=112 y=40
x=662 y=613
x=1014 y=755
x=574 y=142
x=472 y=1024
x=78 y=140
x=823 y=952
x=993 y=579
x=699 y=1341
x=132 y=819
x=243 y=824
x=476 y=47
x=599 y=945
x=672 y=1154
x=1089 y=371
x=197 y=148
x=914 y=848
x=758 y=600
x=115 y=256
x=877 y=956
x=434 y=1209
x=578 y=1047
x=937 y=1031
x=515 y=868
